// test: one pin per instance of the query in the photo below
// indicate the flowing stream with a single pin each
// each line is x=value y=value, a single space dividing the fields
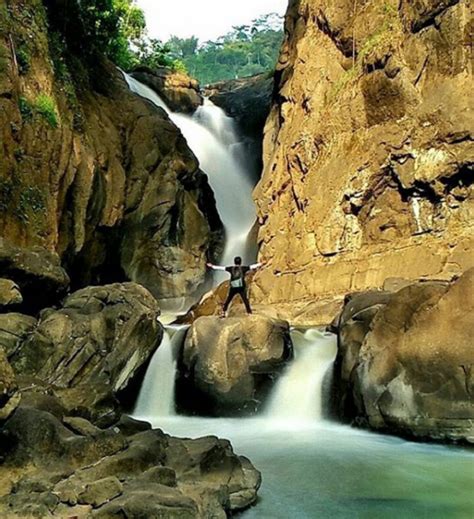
x=312 y=468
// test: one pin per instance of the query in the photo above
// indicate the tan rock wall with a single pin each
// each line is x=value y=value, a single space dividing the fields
x=101 y=177
x=368 y=151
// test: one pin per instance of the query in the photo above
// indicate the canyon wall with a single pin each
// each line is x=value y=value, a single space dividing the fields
x=368 y=152
x=90 y=171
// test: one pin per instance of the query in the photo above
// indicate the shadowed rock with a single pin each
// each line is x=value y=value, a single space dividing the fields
x=405 y=360
x=75 y=468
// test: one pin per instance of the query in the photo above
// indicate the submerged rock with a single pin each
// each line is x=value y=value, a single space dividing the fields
x=405 y=360
x=71 y=468
x=228 y=364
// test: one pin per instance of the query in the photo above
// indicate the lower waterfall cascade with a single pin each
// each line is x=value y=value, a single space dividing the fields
x=311 y=467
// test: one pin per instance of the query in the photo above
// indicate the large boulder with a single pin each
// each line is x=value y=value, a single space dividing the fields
x=228 y=364
x=68 y=467
x=14 y=329
x=178 y=90
x=405 y=360
x=92 y=348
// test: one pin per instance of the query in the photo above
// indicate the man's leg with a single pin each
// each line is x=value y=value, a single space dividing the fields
x=243 y=295
x=232 y=293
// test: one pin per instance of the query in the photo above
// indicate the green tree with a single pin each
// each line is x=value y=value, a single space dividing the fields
x=112 y=27
x=244 y=51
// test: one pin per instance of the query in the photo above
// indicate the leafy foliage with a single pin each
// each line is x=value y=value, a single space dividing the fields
x=246 y=50
x=45 y=107
x=111 y=26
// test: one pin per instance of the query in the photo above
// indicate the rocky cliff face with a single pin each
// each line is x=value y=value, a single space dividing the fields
x=91 y=172
x=368 y=151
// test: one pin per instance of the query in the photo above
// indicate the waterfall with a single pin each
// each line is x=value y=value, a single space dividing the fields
x=299 y=393
x=156 y=397
x=212 y=137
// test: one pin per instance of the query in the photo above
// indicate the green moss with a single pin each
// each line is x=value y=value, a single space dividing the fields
x=46 y=108
x=386 y=33
x=43 y=106
x=26 y=109
x=32 y=199
x=3 y=60
x=384 y=37
x=5 y=24
x=26 y=203
x=23 y=59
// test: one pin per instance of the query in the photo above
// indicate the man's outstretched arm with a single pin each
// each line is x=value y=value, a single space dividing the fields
x=215 y=267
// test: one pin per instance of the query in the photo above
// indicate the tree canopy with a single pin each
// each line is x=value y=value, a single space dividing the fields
x=117 y=28
x=244 y=51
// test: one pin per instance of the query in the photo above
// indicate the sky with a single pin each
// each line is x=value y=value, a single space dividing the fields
x=207 y=19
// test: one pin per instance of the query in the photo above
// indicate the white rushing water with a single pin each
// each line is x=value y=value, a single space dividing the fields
x=156 y=396
x=299 y=393
x=212 y=137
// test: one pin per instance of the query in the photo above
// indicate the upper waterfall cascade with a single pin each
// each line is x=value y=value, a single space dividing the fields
x=213 y=138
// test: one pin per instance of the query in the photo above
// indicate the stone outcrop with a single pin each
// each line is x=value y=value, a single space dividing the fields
x=180 y=92
x=87 y=352
x=368 y=152
x=10 y=294
x=70 y=468
x=37 y=276
x=228 y=364
x=91 y=172
x=405 y=360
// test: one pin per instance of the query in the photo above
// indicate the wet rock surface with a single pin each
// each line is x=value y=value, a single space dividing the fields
x=228 y=365
x=405 y=360
x=63 y=468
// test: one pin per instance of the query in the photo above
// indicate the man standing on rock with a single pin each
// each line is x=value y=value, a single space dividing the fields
x=237 y=281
